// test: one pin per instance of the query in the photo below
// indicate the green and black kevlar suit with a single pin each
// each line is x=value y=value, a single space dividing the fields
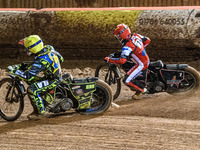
x=47 y=61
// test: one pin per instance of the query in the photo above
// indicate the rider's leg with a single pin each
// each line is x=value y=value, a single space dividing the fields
x=36 y=100
x=34 y=91
x=135 y=85
x=34 y=114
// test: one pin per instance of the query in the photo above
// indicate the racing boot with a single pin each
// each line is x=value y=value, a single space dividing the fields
x=138 y=95
x=34 y=115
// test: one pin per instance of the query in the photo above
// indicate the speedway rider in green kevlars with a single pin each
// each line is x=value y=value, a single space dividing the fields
x=46 y=60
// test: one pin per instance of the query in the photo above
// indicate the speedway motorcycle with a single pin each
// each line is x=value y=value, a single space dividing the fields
x=71 y=93
x=170 y=78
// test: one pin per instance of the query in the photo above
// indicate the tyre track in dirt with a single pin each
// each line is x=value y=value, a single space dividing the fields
x=135 y=125
x=106 y=132
x=159 y=121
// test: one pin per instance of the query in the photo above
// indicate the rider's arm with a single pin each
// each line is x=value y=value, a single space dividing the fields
x=117 y=60
x=30 y=74
x=123 y=58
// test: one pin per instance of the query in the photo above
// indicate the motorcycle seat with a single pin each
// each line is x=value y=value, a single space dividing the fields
x=156 y=64
x=85 y=80
x=176 y=66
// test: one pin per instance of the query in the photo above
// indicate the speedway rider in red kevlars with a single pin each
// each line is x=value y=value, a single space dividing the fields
x=134 y=49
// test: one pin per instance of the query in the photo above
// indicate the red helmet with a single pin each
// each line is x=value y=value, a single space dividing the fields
x=122 y=32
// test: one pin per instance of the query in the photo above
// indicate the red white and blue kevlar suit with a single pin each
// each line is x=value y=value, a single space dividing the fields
x=134 y=48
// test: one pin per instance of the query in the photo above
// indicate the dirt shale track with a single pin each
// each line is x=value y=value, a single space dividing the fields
x=157 y=122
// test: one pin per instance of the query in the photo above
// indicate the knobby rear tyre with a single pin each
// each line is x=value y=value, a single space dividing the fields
x=193 y=75
x=103 y=97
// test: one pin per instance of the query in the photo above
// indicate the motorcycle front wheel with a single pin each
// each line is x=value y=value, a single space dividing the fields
x=108 y=75
x=101 y=100
x=11 y=100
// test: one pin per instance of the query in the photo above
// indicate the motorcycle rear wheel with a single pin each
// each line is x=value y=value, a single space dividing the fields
x=11 y=106
x=104 y=73
x=191 y=82
x=101 y=100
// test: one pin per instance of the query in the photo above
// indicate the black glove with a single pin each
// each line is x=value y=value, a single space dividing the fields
x=24 y=66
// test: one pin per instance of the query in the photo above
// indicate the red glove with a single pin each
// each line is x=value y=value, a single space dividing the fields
x=106 y=59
